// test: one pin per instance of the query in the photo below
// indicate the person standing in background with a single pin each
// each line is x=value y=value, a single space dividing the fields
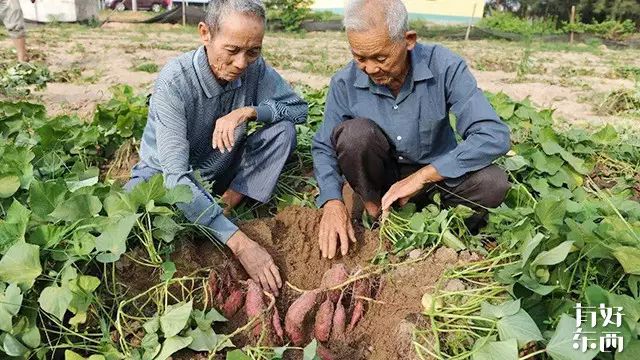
x=13 y=21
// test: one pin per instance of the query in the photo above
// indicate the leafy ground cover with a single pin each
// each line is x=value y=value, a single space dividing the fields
x=88 y=271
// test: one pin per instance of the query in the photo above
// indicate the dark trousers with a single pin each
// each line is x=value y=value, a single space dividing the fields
x=368 y=162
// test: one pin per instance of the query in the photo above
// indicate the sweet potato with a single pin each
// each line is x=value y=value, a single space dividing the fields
x=277 y=325
x=324 y=318
x=254 y=305
x=233 y=303
x=339 y=321
x=324 y=353
x=358 y=312
x=335 y=276
x=213 y=288
x=294 y=320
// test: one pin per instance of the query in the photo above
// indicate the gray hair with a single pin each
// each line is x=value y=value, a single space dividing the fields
x=394 y=13
x=218 y=9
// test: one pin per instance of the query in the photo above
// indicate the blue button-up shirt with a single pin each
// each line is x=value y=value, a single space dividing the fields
x=417 y=120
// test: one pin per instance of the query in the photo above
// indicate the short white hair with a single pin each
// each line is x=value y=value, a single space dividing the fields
x=394 y=13
x=218 y=9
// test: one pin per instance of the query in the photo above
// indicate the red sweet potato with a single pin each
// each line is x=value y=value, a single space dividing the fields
x=277 y=325
x=233 y=303
x=254 y=305
x=324 y=353
x=335 y=276
x=358 y=312
x=339 y=321
x=324 y=318
x=294 y=320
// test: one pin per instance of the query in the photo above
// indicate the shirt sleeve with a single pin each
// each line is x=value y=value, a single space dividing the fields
x=485 y=137
x=276 y=100
x=325 y=160
x=168 y=108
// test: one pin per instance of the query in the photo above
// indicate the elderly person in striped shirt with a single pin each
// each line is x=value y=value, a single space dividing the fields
x=386 y=128
x=198 y=119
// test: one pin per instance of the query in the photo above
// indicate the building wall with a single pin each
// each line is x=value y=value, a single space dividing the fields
x=59 y=10
x=444 y=11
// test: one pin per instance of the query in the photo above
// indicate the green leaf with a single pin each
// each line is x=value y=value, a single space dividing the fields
x=168 y=269
x=505 y=110
x=576 y=163
x=77 y=207
x=237 y=355
x=630 y=351
x=495 y=350
x=515 y=163
x=550 y=213
x=560 y=346
x=629 y=258
x=501 y=310
x=10 y=303
x=21 y=265
x=179 y=194
x=529 y=246
x=205 y=321
x=112 y=243
x=55 y=300
x=553 y=256
x=310 y=351
x=172 y=345
x=606 y=135
x=175 y=318
x=13 y=228
x=152 y=189
x=13 y=347
x=152 y=325
x=9 y=184
x=203 y=340
x=70 y=355
x=546 y=164
x=519 y=326
x=165 y=228
x=31 y=337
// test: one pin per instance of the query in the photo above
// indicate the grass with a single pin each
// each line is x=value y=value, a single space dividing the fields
x=146 y=66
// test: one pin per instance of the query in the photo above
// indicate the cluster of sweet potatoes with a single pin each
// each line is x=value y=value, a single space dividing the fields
x=334 y=309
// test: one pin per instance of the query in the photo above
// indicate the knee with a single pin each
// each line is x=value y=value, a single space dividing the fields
x=355 y=134
x=493 y=185
x=286 y=134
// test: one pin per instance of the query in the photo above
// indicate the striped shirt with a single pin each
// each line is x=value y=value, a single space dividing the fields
x=185 y=105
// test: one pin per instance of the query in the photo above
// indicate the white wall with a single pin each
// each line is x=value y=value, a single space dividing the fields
x=59 y=10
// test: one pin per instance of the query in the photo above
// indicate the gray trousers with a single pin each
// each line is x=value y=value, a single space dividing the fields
x=367 y=161
x=11 y=15
x=254 y=171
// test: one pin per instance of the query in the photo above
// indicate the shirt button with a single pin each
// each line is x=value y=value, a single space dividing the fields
x=395 y=107
x=399 y=138
x=400 y=158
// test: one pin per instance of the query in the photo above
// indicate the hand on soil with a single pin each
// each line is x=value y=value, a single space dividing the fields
x=335 y=225
x=224 y=132
x=256 y=261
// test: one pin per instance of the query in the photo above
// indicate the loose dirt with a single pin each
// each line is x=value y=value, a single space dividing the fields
x=292 y=238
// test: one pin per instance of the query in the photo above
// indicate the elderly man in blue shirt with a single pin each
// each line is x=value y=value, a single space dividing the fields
x=198 y=118
x=387 y=132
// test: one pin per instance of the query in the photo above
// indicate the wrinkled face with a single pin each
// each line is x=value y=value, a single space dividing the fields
x=234 y=46
x=384 y=60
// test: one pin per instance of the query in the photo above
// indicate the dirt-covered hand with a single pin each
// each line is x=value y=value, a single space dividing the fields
x=256 y=261
x=224 y=131
x=335 y=226
x=403 y=190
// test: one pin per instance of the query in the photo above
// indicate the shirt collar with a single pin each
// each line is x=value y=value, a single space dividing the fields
x=419 y=69
x=207 y=80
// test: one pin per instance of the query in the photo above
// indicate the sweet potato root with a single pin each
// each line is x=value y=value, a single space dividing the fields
x=294 y=320
x=214 y=289
x=254 y=305
x=277 y=325
x=324 y=318
x=358 y=312
x=339 y=321
x=362 y=288
x=233 y=303
x=324 y=353
x=335 y=276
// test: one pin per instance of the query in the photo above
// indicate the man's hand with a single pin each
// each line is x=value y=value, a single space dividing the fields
x=256 y=261
x=403 y=190
x=335 y=225
x=223 y=134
